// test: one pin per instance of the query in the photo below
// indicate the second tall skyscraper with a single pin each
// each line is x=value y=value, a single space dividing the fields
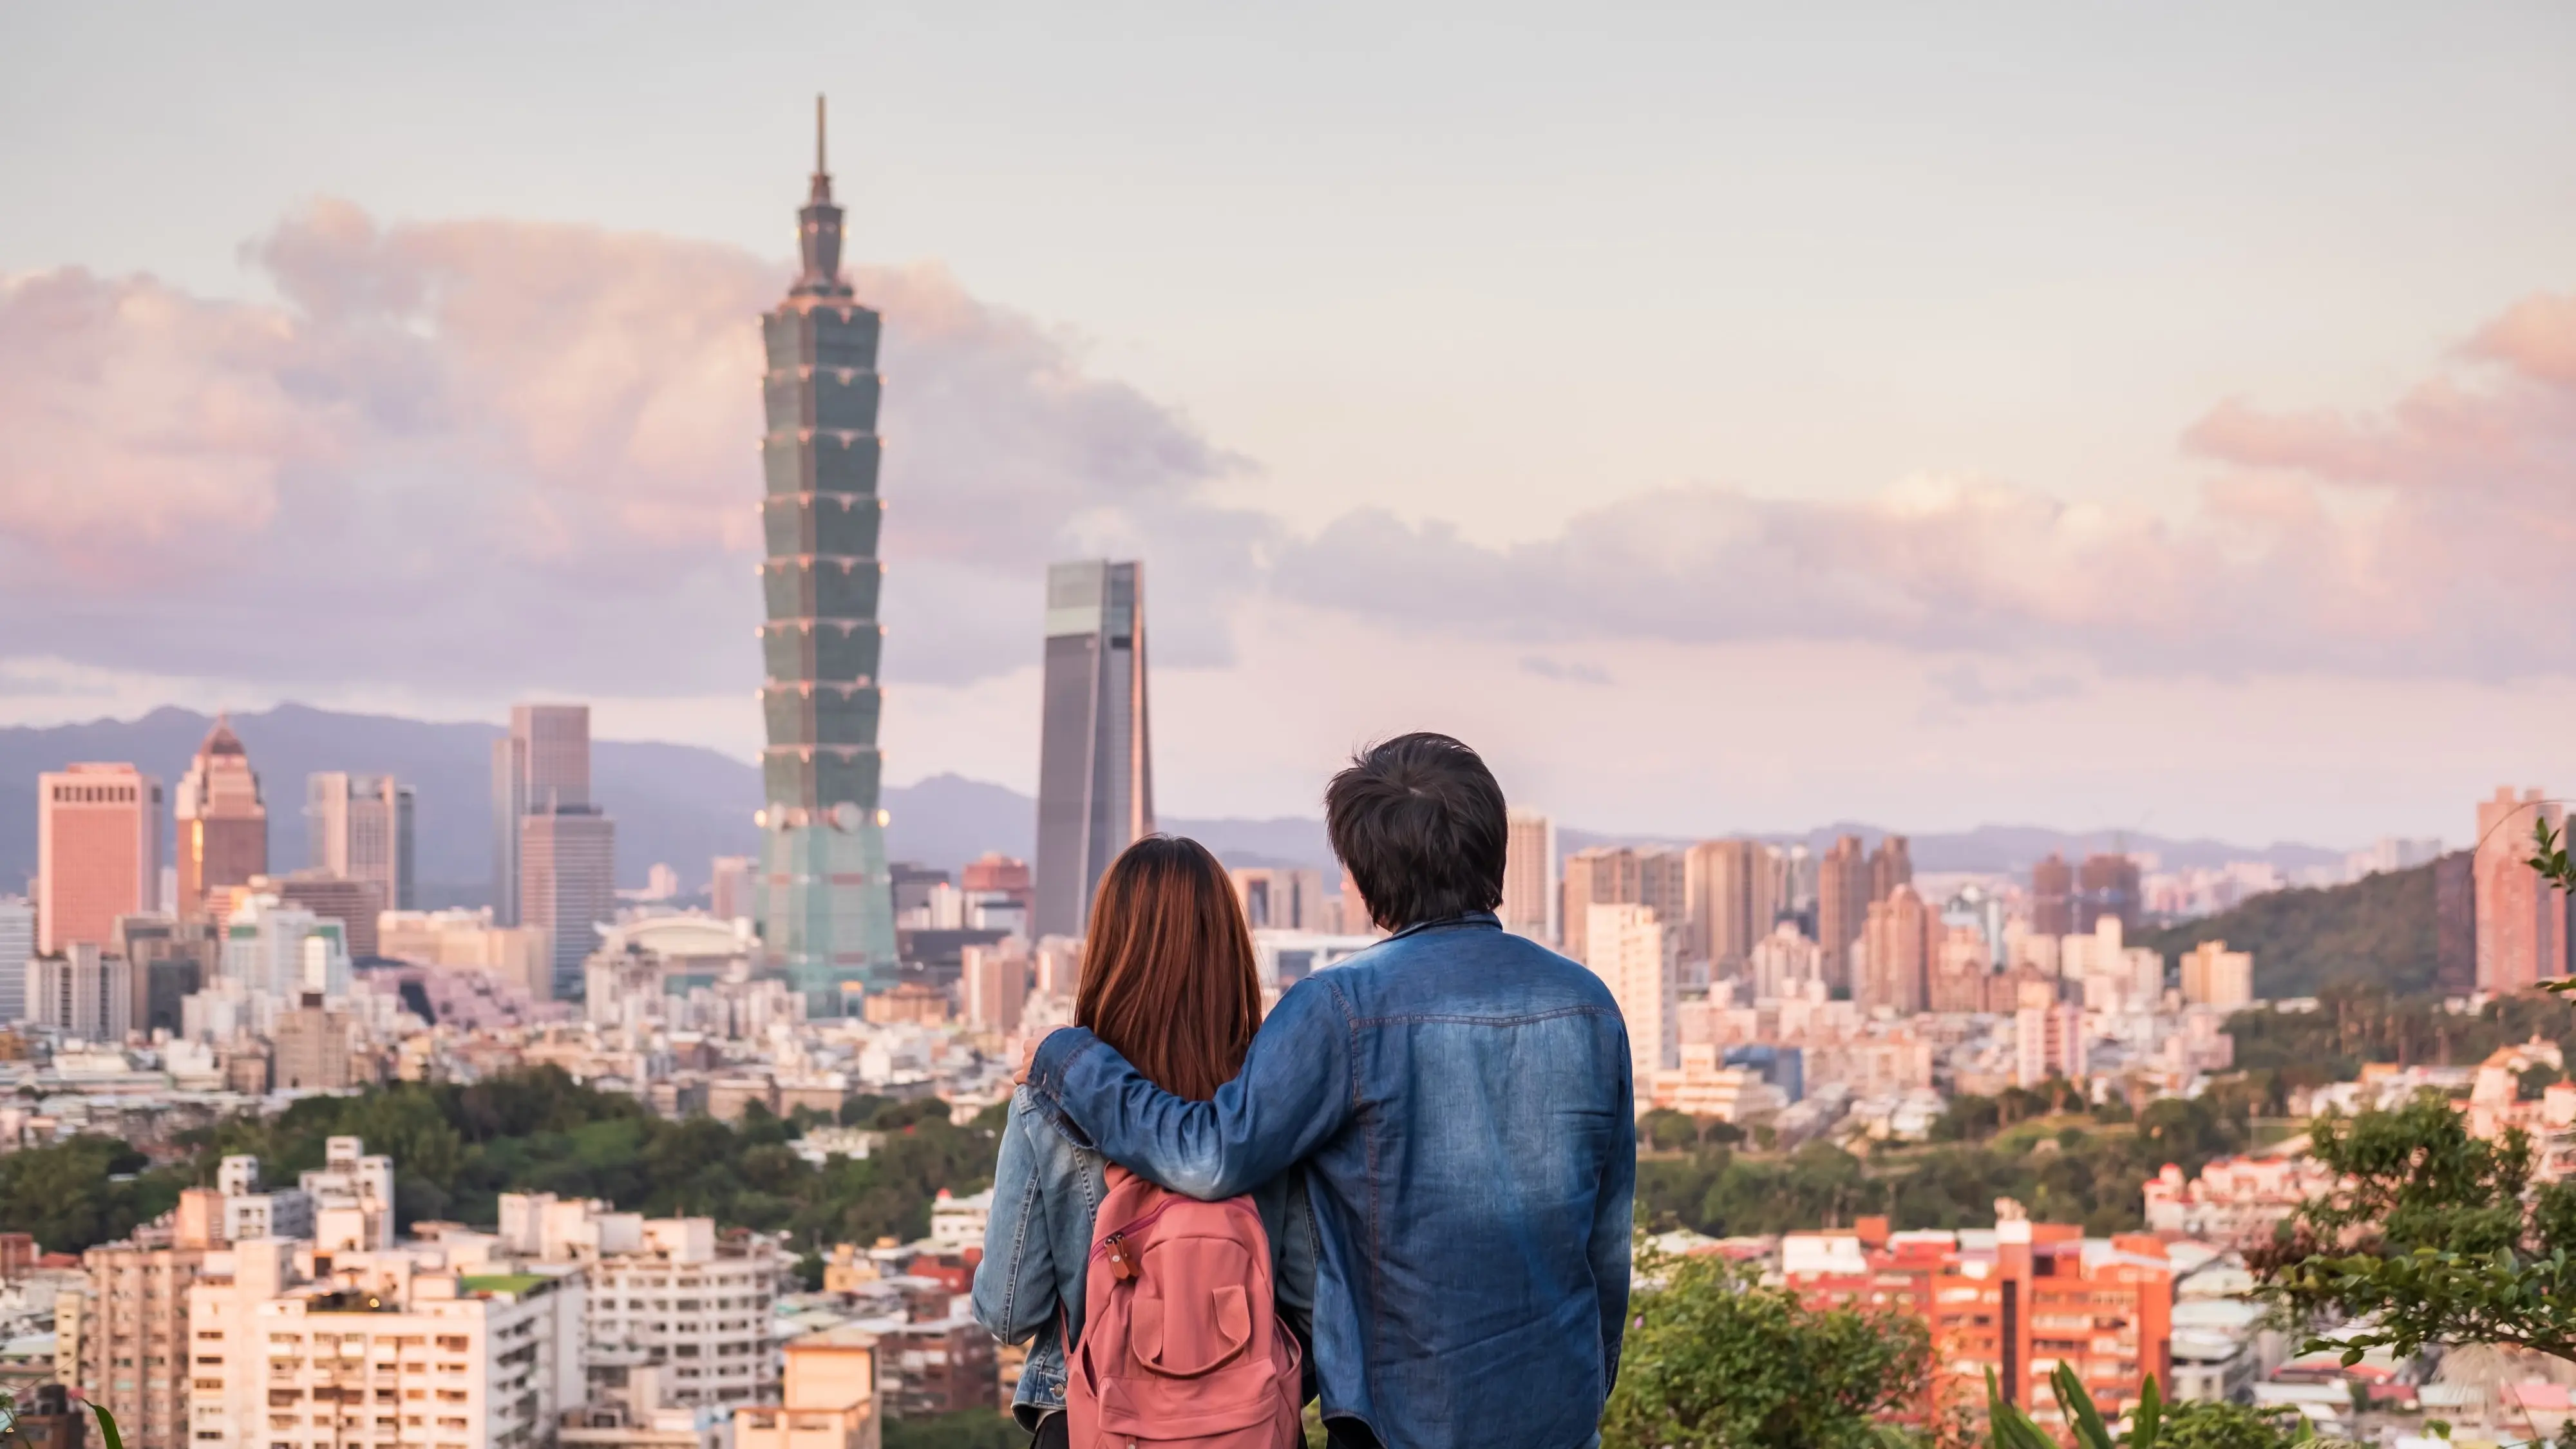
x=1095 y=759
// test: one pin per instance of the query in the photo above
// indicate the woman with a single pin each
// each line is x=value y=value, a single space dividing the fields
x=1168 y=980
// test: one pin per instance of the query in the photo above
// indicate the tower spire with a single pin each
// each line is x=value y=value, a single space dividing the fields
x=819 y=225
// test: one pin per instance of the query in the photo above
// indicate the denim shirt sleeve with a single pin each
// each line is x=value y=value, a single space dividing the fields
x=1614 y=1226
x=1295 y=1091
x=1015 y=1285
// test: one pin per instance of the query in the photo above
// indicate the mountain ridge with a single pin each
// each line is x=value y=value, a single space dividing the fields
x=683 y=804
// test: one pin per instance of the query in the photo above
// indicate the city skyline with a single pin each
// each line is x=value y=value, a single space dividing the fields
x=2187 y=539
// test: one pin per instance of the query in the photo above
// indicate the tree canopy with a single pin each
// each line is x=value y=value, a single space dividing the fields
x=2434 y=1236
x=457 y=1147
x=1714 y=1360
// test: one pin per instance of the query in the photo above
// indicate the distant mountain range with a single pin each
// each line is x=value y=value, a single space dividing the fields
x=681 y=804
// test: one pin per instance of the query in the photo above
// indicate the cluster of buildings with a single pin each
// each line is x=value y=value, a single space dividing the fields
x=1809 y=995
x=256 y=1315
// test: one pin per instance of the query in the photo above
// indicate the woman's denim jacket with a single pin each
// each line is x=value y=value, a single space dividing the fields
x=1046 y=1191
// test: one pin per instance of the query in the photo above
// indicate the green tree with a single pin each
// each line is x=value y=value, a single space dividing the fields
x=1714 y=1360
x=1669 y=1131
x=83 y=1191
x=2433 y=1236
x=965 y=1429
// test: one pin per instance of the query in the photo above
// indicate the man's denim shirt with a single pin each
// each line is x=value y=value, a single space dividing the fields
x=1462 y=1102
x=1046 y=1195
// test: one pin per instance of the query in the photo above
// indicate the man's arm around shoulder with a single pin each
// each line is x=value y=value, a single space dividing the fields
x=1294 y=1092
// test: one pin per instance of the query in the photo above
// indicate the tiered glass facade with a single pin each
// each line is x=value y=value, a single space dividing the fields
x=828 y=915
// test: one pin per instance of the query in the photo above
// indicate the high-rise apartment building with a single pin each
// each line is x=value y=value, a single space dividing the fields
x=1842 y=907
x=2048 y=1042
x=730 y=888
x=993 y=984
x=134 y=1349
x=1630 y=950
x=2052 y=897
x=98 y=852
x=17 y=948
x=359 y=827
x=2014 y=1301
x=2106 y=885
x=828 y=913
x=85 y=991
x=1890 y=865
x=2521 y=920
x=1663 y=886
x=316 y=1349
x=223 y=823
x=1785 y=964
x=1896 y=953
x=1735 y=895
x=1095 y=752
x=568 y=886
x=666 y=1292
x=2212 y=975
x=1604 y=875
x=1278 y=898
x=1529 y=877
x=543 y=764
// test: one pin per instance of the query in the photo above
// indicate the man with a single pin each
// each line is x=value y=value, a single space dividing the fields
x=1460 y=1100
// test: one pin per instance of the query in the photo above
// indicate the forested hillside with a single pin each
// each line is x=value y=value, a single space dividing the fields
x=2378 y=931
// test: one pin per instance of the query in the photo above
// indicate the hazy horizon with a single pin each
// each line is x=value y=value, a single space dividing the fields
x=1999 y=414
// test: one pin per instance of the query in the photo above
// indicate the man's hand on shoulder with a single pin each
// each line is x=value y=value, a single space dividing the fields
x=1029 y=1056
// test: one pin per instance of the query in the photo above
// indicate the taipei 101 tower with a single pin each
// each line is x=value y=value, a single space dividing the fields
x=827 y=917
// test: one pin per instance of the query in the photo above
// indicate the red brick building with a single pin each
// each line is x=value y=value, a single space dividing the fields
x=2019 y=1299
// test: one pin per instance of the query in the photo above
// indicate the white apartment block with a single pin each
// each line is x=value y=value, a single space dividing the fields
x=250 y=1213
x=352 y=1197
x=667 y=1293
x=1631 y=950
x=294 y=1348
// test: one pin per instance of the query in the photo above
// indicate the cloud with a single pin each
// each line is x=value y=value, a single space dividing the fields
x=483 y=455
x=1968 y=686
x=505 y=453
x=1569 y=672
x=2432 y=538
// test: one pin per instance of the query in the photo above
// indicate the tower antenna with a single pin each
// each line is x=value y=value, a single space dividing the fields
x=819 y=166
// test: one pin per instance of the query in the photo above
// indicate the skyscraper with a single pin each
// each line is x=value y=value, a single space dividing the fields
x=2052 y=897
x=17 y=946
x=1602 y=875
x=1842 y=907
x=1529 y=877
x=2521 y=921
x=827 y=908
x=223 y=824
x=98 y=852
x=542 y=764
x=2106 y=885
x=1896 y=953
x=1095 y=755
x=568 y=884
x=1735 y=889
x=1890 y=866
x=359 y=827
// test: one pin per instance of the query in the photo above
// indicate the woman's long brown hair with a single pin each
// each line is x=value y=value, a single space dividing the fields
x=1168 y=977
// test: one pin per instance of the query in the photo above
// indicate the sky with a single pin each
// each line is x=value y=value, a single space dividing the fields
x=1727 y=417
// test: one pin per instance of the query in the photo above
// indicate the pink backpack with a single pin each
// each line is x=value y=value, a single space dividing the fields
x=1181 y=1339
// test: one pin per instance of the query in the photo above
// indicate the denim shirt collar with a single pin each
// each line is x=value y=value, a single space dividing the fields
x=1471 y=920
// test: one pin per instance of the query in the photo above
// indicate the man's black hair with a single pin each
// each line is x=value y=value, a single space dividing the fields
x=1418 y=822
